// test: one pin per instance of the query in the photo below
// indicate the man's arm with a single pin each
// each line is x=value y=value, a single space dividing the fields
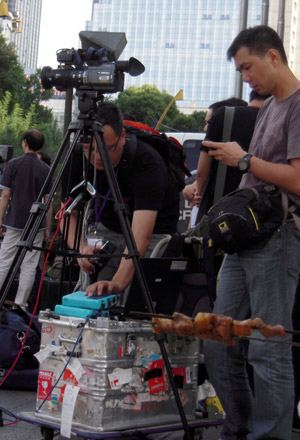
x=142 y=227
x=5 y=196
x=283 y=175
x=203 y=171
x=194 y=192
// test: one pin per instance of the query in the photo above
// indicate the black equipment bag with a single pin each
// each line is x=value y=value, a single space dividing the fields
x=21 y=380
x=246 y=218
x=169 y=148
x=13 y=327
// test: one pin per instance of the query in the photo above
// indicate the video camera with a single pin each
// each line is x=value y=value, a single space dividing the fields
x=94 y=67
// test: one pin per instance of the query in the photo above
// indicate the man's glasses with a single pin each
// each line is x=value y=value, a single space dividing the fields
x=115 y=146
x=109 y=147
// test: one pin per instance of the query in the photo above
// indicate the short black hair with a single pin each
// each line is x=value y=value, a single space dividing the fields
x=109 y=114
x=34 y=138
x=258 y=39
x=45 y=157
x=230 y=102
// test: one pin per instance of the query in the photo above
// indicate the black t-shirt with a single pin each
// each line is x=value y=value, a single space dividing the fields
x=144 y=183
x=24 y=176
x=242 y=131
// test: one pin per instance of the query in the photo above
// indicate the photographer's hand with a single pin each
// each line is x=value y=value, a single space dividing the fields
x=105 y=287
x=227 y=152
x=85 y=263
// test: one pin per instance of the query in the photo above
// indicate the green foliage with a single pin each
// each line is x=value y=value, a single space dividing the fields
x=191 y=123
x=11 y=73
x=20 y=107
x=146 y=104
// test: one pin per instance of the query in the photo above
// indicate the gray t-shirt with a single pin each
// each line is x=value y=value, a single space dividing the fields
x=276 y=136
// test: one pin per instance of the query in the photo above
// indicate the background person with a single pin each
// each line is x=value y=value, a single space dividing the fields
x=21 y=184
x=189 y=192
x=261 y=281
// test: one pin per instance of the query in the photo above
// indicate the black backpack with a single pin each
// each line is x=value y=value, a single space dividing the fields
x=169 y=148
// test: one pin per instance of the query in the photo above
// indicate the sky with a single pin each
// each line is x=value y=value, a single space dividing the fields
x=61 y=22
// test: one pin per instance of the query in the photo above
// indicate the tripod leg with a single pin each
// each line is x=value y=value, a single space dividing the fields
x=120 y=208
x=39 y=209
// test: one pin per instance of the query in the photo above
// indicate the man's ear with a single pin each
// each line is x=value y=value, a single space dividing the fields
x=273 y=56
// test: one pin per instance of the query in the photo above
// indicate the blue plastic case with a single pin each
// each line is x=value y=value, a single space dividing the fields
x=76 y=312
x=78 y=299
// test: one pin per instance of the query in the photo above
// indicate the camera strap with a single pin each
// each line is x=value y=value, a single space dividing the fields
x=99 y=210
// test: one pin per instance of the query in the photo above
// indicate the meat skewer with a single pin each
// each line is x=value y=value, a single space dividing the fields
x=172 y=317
x=215 y=327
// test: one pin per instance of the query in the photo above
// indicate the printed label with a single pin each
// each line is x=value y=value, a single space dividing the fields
x=45 y=384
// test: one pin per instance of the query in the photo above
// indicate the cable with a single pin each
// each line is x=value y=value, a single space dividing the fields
x=59 y=218
x=69 y=359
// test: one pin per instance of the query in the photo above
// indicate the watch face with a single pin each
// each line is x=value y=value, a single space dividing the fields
x=243 y=164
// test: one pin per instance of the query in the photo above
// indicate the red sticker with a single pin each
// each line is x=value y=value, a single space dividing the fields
x=157 y=384
x=69 y=377
x=180 y=371
x=45 y=384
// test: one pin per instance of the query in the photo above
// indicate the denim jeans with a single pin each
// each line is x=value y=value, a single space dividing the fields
x=257 y=283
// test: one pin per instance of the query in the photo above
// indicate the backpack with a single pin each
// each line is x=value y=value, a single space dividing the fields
x=13 y=326
x=169 y=148
x=246 y=218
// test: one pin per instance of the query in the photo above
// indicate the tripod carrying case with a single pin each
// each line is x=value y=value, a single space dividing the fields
x=119 y=370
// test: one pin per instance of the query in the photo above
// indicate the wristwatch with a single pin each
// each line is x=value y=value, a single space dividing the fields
x=244 y=163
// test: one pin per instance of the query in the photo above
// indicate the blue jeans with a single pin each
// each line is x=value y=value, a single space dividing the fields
x=257 y=283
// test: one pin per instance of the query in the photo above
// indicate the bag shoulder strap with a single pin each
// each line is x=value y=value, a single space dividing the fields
x=128 y=155
x=222 y=168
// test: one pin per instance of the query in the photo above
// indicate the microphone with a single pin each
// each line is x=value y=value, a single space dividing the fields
x=83 y=189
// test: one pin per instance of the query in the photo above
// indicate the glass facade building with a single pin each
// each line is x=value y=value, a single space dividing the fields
x=182 y=43
x=23 y=30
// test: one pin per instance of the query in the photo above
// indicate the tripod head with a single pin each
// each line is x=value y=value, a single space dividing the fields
x=87 y=103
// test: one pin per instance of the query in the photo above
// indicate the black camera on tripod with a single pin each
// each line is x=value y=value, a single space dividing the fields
x=94 y=67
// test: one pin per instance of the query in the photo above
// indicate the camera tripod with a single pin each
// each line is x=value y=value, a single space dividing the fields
x=87 y=123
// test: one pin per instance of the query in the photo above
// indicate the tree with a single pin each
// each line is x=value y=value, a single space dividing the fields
x=192 y=123
x=33 y=94
x=20 y=107
x=146 y=104
x=11 y=73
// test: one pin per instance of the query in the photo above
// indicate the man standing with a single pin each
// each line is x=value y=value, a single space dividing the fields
x=261 y=281
x=21 y=184
x=147 y=189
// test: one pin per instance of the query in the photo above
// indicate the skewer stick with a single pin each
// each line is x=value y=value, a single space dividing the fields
x=294 y=344
x=157 y=315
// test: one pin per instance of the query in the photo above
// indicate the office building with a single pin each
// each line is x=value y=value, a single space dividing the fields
x=22 y=28
x=182 y=43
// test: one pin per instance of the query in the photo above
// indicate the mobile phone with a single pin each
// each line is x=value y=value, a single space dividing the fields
x=106 y=249
x=204 y=148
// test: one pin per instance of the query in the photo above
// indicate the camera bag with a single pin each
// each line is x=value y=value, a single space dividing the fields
x=13 y=327
x=247 y=217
